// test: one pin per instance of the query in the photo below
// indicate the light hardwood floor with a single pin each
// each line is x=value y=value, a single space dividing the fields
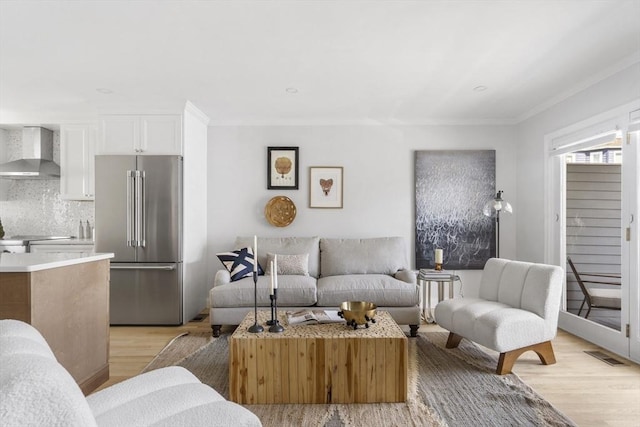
x=589 y=391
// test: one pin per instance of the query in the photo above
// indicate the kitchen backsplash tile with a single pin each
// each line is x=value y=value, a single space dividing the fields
x=33 y=206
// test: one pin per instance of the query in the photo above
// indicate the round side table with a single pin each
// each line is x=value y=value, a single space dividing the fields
x=425 y=282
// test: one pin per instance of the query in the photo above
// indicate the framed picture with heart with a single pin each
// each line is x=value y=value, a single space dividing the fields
x=325 y=187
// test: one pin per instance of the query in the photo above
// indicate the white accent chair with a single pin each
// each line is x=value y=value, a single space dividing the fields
x=36 y=390
x=517 y=310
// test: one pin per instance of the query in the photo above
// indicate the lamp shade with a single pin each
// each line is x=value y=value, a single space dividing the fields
x=497 y=204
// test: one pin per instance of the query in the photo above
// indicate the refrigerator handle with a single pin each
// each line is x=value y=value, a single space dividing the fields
x=163 y=267
x=130 y=208
x=140 y=223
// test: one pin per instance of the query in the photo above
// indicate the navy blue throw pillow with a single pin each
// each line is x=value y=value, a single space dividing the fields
x=239 y=263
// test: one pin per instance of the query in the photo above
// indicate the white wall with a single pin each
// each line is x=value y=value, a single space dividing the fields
x=378 y=174
x=379 y=184
x=606 y=95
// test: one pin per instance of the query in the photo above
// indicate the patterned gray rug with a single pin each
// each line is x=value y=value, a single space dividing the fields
x=456 y=387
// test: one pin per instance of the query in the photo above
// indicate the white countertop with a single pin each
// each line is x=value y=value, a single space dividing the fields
x=63 y=242
x=26 y=263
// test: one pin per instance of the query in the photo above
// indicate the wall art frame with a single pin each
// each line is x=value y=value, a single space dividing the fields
x=326 y=185
x=451 y=189
x=282 y=168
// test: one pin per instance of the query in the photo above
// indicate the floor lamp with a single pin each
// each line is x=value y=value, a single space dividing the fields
x=493 y=208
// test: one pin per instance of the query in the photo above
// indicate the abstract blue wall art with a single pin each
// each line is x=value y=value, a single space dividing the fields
x=452 y=186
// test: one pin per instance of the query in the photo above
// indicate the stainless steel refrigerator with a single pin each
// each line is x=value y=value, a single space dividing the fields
x=138 y=217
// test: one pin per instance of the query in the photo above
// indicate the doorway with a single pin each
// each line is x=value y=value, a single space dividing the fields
x=592 y=204
x=593 y=215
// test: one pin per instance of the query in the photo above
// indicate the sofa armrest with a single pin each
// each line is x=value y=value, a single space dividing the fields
x=222 y=277
x=408 y=276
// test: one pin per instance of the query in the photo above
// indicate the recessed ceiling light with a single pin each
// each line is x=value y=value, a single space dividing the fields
x=480 y=88
x=104 y=90
x=291 y=90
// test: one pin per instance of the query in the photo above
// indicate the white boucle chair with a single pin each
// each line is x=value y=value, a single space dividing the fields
x=35 y=390
x=517 y=310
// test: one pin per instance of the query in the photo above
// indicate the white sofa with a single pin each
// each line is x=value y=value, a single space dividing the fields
x=374 y=270
x=517 y=310
x=35 y=390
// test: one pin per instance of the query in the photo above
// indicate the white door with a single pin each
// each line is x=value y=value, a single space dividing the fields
x=633 y=153
x=609 y=231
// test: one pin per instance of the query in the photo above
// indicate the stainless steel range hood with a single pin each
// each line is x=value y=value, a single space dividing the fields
x=37 y=157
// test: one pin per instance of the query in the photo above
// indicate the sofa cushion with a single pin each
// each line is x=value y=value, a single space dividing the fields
x=289 y=264
x=224 y=413
x=444 y=310
x=543 y=300
x=113 y=397
x=461 y=314
x=490 y=280
x=17 y=337
x=239 y=263
x=36 y=390
x=147 y=404
x=529 y=286
x=512 y=282
x=286 y=245
x=606 y=297
x=292 y=291
x=380 y=289
x=384 y=255
x=492 y=324
x=510 y=328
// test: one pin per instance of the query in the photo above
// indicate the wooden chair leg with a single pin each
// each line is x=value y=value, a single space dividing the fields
x=507 y=359
x=453 y=340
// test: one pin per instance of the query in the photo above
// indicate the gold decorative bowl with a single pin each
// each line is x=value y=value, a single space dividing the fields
x=280 y=211
x=358 y=313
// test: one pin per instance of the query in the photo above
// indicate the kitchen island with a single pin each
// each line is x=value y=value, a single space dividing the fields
x=66 y=297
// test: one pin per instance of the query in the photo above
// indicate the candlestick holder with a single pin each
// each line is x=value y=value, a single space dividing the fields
x=275 y=325
x=273 y=320
x=255 y=328
x=438 y=267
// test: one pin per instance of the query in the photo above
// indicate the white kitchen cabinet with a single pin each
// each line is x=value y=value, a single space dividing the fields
x=141 y=134
x=57 y=249
x=77 y=161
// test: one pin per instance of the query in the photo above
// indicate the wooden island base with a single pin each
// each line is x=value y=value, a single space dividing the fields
x=69 y=305
x=329 y=363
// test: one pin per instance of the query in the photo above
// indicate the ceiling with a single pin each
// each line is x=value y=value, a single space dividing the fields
x=309 y=62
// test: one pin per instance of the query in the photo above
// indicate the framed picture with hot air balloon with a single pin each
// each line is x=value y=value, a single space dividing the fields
x=282 y=168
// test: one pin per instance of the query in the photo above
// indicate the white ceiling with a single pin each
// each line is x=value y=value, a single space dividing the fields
x=394 y=62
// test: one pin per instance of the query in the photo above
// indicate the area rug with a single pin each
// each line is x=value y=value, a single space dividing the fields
x=447 y=387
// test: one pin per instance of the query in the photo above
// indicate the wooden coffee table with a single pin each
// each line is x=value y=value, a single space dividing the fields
x=329 y=363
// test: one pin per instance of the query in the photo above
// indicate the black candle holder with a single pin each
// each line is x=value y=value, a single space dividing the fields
x=273 y=319
x=255 y=328
x=275 y=324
